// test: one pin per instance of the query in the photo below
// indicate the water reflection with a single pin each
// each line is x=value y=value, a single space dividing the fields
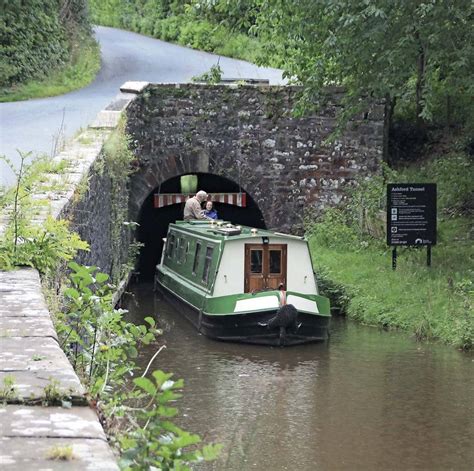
x=366 y=400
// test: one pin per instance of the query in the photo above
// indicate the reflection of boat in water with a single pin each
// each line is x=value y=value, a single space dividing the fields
x=242 y=284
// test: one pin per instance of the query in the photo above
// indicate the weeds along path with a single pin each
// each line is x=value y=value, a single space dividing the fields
x=41 y=125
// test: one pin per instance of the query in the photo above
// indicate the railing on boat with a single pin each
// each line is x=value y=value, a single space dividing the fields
x=166 y=199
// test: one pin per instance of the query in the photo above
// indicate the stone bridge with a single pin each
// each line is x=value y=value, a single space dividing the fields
x=247 y=135
x=231 y=137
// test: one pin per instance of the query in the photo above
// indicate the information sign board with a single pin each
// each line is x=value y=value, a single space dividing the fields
x=411 y=214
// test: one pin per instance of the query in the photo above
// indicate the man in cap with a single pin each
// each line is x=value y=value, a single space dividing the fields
x=192 y=208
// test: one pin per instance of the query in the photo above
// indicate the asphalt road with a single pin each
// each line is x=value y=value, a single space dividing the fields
x=35 y=125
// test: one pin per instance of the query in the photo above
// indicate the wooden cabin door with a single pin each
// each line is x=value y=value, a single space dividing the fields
x=265 y=266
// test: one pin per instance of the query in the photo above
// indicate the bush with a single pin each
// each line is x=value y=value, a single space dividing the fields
x=218 y=27
x=332 y=230
x=33 y=40
x=454 y=174
x=36 y=37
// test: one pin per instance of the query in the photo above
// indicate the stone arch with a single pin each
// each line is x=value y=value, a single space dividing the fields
x=153 y=222
x=149 y=178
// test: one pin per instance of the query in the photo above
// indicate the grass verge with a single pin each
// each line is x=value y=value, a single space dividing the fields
x=431 y=303
x=354 y=263
x=79 y=72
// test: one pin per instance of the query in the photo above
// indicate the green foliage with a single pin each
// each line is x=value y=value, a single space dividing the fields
x=454 y=174
x=188 y=183
x=32 y=39
x=44 y=246
x=376 y=49
x=213 y=76
x=81 y=68
x=52 y=393
x=360 y=222
x=431 y=303
x=220 y=27
x=160 y=444
x=8 y=390
x=117 y=159
x=36 y=37
x=60 y=453
x=332 y=230
x=99 y=342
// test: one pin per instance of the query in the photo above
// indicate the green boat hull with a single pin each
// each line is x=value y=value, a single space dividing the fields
x=249 y=327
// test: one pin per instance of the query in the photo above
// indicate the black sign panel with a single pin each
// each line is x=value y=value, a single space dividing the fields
x=411 y=214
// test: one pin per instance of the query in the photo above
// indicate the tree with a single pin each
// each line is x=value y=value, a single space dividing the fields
x=404 y=51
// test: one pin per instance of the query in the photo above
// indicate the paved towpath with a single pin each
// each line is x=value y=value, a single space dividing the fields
x=33 y=372
x=38 y=125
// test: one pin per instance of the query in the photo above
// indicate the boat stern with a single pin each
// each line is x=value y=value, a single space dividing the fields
x=269 y=317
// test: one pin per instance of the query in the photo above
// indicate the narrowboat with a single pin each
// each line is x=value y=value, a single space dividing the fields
x=242 y=284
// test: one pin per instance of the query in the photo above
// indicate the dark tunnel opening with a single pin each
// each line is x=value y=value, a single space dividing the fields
x=154 y=221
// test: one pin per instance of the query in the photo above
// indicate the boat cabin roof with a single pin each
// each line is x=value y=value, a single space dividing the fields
x=226 y=231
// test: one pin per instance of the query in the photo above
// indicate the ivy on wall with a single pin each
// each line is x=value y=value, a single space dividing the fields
x=116 y=164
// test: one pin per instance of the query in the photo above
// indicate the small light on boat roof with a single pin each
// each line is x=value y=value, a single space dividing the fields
x=254 y=232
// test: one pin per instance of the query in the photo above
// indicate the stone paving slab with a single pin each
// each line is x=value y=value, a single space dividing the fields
x=30 y=386
x=53 y=422
x=34 y=363
x=20 y=294
x=106 y=119
x=24 y=326
x=133 y=86
x=32 y=454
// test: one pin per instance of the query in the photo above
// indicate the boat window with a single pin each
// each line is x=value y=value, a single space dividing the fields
x=170 y=246
x=180 y=249
x=207 y=264
x=196 y=257
x=256 y=257
x=187 y=252
x=275 y=261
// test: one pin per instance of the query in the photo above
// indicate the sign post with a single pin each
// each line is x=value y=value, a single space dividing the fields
x=411 y=217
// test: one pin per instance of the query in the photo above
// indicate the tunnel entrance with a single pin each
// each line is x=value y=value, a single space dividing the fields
x=154 y=221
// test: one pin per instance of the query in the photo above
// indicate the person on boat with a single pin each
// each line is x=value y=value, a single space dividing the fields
x=192 y=208
x=210 y=212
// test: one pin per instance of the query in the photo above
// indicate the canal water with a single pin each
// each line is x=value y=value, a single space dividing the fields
x=366 y=400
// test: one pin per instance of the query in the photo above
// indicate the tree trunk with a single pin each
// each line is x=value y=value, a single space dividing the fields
x=420 y=81
x=388 y=118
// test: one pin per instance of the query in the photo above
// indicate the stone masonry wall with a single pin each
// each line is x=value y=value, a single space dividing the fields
x=286 y=166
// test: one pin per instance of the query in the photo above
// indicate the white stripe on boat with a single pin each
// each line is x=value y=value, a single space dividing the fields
x=302 y=304
x=257 y=304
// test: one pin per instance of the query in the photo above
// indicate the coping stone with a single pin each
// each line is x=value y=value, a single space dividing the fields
x=133 y=87
x=32 y=453
x=106 y=119
x=27 y=326
x=54 y=422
